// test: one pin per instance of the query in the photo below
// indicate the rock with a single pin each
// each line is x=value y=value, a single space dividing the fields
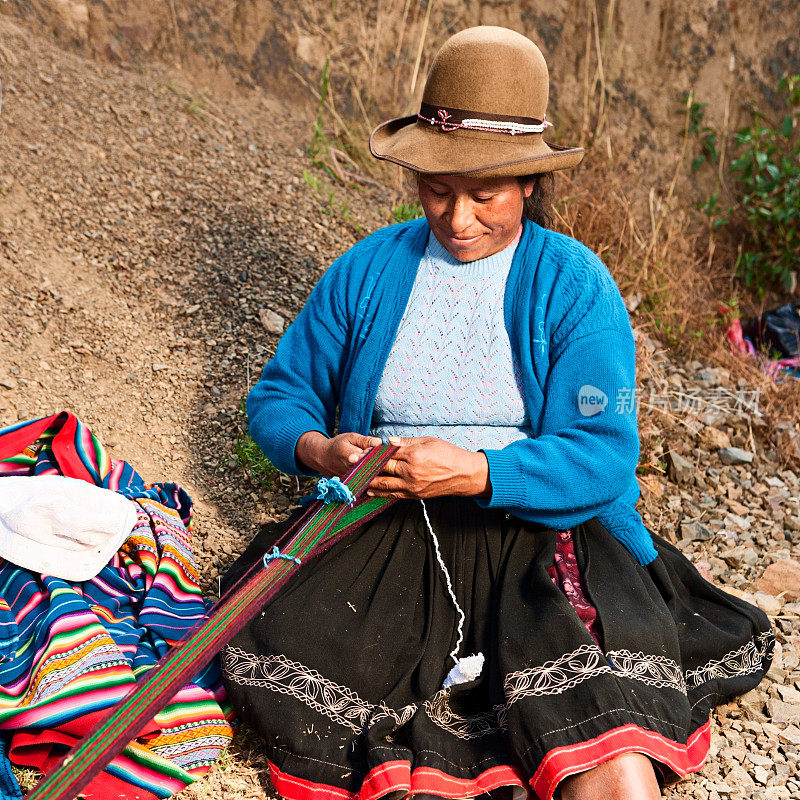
x=761 y=774
x=735 y=521
x=714 y=438
x=791 y=735
x=781 y=711
x=272 y=322
x=768 y=603
x=75 y=16
x=696 y=532
x=680 y=469
x=752 y=705
x=791 y=657
x=709 y=377
x=704 y=568
x=789 y=694
x=8 y=383
x=781 y=577
x=735 y=455
x=632 y=301
x=738 y=508
x=712 y=417
x=740 y=777
x=675 y=380
x=791 y=523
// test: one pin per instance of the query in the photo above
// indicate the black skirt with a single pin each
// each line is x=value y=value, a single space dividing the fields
x=341 y=673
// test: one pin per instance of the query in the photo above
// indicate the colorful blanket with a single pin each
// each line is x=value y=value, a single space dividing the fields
x=70 y=651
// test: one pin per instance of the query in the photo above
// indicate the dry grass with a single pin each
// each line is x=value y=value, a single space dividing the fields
x=652 y=253
x=240 y=773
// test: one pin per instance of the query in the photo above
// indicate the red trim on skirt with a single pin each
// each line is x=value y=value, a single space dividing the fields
x=394 y=776
x=571 y=759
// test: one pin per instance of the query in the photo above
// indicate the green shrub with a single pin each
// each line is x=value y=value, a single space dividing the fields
x=767 y=171
x=405 y=212
x=764 y=212
x=249 y=455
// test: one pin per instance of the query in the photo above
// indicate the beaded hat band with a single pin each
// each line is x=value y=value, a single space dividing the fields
x=451 y=119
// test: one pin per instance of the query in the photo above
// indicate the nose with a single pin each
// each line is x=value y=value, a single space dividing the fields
x=462 y=213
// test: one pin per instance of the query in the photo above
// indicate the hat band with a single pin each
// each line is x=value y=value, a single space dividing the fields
x=451 y=119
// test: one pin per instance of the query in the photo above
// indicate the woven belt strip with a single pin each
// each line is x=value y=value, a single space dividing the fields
x=317 y=530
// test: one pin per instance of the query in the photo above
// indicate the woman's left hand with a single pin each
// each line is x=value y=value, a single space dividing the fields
x=426 y=466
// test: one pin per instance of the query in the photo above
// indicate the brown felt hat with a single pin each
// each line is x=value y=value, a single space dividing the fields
x=482 y=112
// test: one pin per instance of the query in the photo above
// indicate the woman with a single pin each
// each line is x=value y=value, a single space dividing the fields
x=508 y=626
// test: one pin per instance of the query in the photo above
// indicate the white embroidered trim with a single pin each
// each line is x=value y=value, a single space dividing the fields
x=555 y=677
x=745 y=660
x=474 y=727
x=658 y=671
x=279 y=674
x=588 y=661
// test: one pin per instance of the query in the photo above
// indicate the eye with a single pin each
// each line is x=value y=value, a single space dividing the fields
x=483 y=198
x=439 y=192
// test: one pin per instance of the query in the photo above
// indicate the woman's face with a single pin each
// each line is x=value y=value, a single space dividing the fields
x=473 y=217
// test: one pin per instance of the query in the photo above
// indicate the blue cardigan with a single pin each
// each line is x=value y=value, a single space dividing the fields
x=569 y=333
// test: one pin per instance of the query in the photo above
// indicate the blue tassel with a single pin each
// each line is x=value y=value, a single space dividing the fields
x=275 y=554
x=330 y=490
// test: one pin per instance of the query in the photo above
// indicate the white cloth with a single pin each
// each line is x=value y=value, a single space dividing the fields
x=61 y=526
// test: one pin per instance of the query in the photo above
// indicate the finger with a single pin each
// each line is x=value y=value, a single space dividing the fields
x=383 y=485
x=354 y=458
x=390 y=467
x=401 y=440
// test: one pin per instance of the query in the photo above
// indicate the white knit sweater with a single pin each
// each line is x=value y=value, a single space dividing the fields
x=450 y=372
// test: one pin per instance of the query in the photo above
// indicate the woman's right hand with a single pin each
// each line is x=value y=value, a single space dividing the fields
x=336 y=456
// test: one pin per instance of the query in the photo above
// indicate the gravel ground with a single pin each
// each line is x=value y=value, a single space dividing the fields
x=154 y=241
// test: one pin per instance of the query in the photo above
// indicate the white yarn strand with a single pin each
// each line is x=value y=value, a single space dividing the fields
x=454 y=653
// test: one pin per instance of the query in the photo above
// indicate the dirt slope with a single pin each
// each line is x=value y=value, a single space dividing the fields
x=619 y=67
x=136 y=222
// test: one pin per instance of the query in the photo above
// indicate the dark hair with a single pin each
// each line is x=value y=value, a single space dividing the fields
x=537 y=207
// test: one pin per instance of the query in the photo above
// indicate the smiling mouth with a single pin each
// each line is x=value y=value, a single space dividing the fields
x=465 y=238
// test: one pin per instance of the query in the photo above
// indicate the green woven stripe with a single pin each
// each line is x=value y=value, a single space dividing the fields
x=363 y=509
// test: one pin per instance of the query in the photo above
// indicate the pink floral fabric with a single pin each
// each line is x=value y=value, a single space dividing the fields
x=565 y=574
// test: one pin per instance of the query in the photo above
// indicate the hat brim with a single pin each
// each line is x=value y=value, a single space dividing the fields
x=429 y=150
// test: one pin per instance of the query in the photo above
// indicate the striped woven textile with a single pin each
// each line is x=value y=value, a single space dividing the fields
x=70 y=651
x=324 y=522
